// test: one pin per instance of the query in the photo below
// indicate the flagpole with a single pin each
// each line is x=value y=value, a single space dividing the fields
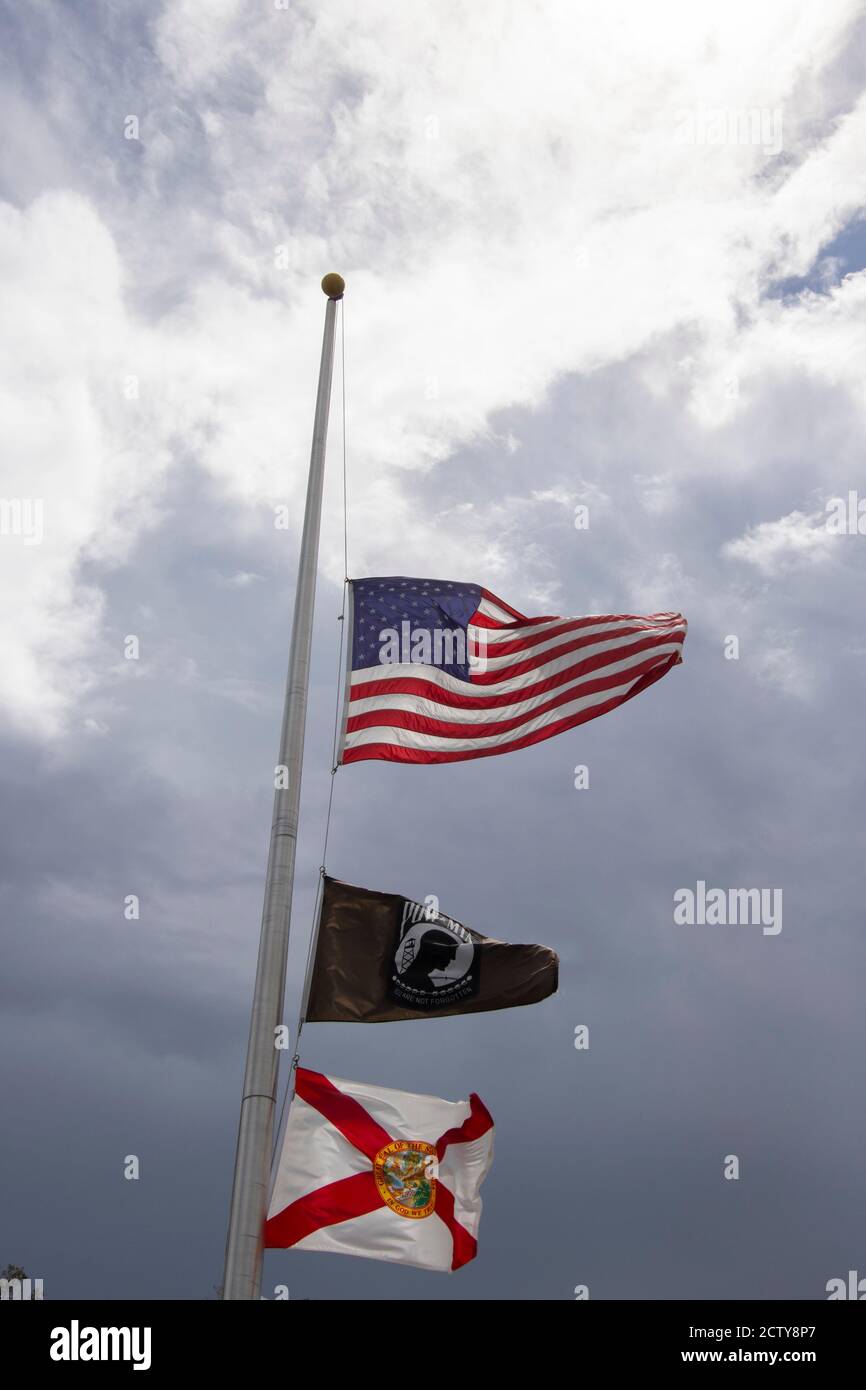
x=244 y=1246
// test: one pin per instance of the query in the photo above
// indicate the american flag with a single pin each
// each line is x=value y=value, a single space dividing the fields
x=439 y=672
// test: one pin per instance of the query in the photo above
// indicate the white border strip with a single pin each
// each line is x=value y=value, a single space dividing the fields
x=348 y=636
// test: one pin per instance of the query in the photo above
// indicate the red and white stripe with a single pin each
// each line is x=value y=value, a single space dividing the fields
x=539 y=677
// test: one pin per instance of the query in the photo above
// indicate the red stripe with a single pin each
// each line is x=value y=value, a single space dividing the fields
x=344 y=1112
x=393 y=753
x=327 y=1206
x=465 y=1246
x=428 y=690
x=481 y=620
x=477 y=1122
x=443 y=728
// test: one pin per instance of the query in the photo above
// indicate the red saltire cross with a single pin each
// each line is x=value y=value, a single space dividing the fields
x=356 y=1195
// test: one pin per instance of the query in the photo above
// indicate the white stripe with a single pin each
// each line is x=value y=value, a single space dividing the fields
x=416 y=704
x=408 y=738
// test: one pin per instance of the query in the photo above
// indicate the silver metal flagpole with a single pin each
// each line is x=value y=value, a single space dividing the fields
x=243 y=1267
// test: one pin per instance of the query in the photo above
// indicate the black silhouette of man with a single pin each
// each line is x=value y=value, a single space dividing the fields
x=436 y=952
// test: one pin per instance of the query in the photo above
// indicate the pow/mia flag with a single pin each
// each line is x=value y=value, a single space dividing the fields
x=382 y=958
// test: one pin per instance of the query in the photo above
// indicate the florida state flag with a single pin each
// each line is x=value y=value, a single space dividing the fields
x=386 y=1174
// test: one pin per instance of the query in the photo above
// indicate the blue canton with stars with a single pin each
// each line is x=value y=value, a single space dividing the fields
x=427 y=605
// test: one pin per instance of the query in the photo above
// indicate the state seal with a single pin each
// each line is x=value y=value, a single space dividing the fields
x=405 y=1172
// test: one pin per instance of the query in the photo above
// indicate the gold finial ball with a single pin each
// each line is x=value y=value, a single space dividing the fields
x=333 y=285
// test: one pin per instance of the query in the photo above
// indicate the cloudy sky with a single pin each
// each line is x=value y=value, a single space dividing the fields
x=601 y=256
